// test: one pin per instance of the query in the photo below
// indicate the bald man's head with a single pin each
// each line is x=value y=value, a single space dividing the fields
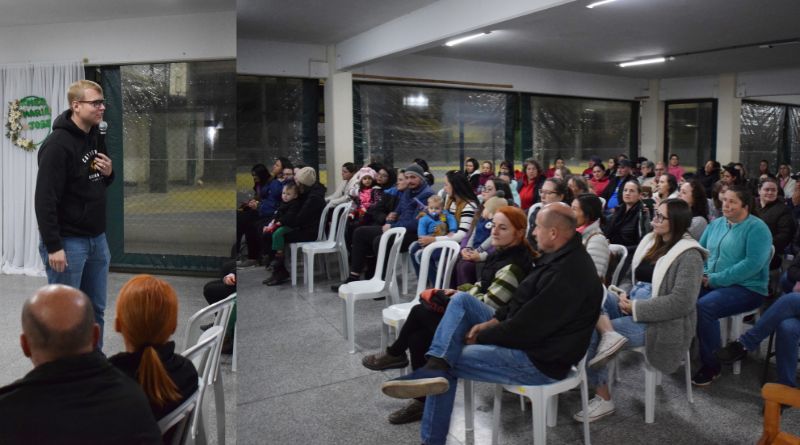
x=555 y=225
x=57 y=321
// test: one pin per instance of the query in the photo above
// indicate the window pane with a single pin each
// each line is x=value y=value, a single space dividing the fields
x=179 y=123
x=577 y=129
x=401 y=123
x=690 y=133
x=762 y=134
x=794 y=137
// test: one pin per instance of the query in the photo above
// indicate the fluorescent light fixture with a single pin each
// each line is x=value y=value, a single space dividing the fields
x=420 y=101
x=643 y=61
x=455 y=42
x=603 y=2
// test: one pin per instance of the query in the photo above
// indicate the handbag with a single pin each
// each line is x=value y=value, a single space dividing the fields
x=434 y=300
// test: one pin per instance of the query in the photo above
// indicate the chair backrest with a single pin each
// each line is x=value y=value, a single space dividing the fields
x=338 y=222
x=447 y=260
x=531 y=210
x=179 y=418
x=394 y=236
x=602 y=201
x=323 y=219
x=621 y=252
x=221 y=312
x=201 y=355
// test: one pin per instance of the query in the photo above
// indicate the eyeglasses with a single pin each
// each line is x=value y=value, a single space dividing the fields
x=95 y=103
x=547 y=192
x=659 y=217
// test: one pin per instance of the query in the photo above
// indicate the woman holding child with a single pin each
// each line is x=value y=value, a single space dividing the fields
x=503 y=271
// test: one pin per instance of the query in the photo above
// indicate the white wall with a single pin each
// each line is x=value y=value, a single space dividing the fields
x=282 y=59
x=151 y=39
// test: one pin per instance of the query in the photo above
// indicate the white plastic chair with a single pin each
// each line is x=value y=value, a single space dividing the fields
x=220 y=311
x=200 y=355
x=333 y=244
x=602 y=201
x=294 y=247
x=544 y=403
x=405 y=260
x=374 y=287
x=395 y=315
x=733 y=325
x=620 y=251
x=532 y=209
x=179 y=418
x=652 y=378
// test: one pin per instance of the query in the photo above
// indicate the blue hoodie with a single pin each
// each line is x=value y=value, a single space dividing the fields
x=739 y=253
x=407 y=209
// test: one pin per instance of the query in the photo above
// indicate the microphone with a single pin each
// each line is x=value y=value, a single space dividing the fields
x=103 y=127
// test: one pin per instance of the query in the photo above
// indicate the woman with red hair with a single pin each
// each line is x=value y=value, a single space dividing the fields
x=511 y=261
x=147 y=315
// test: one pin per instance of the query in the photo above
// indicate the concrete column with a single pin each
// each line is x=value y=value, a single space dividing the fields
x=338 y=120
x=652 y=123
x=729 y=110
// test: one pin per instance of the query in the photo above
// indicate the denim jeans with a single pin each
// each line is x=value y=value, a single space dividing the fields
x=623 y=324
x=713 y=304
x=485 y=363
x=781 y=318
x=87 y=270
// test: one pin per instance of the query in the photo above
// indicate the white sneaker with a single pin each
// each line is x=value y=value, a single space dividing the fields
x=610 y=343
x=598 y=408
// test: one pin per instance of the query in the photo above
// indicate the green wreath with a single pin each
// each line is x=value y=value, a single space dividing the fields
x=14 y=127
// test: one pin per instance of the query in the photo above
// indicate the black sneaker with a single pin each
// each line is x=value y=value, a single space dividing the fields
x=410 y=413
x=705 y=376
x=383 y=360
x=734 y=352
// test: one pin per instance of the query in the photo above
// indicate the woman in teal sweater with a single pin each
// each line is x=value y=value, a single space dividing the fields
x=735 y=275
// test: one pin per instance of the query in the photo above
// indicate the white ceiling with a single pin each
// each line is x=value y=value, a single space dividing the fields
x=570 y=36
x=44 y=12
x=316 y=21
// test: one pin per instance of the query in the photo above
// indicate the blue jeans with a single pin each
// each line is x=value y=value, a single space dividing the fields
x=485 y=363
x=87 y=270
x=713 y=304
x=781 y=318
x=623 y=324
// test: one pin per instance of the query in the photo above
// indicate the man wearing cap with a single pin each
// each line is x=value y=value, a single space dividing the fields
x=304 y=224
x=367 y=238
x=613 y=193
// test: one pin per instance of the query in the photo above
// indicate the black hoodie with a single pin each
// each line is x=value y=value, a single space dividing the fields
x=70 y=195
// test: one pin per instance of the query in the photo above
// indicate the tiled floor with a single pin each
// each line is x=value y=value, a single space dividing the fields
x=14 y=289
x=299 y=385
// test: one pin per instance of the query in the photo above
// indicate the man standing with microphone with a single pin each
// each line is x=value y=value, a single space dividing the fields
x=70 y=199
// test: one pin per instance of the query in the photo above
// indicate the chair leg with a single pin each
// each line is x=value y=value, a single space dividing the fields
x=293 y=250
x=650 y=378
x=736 y=327
x=219 y=400
x=404 y=272
x=552 y=410
x=767 y=358
x=496 y=407
x=585 y=406
x=688 y=367
x=309 y=262
x=351 y=324
x=469 y=406
x=539 y=413
x=344 y=265
x=235 y=349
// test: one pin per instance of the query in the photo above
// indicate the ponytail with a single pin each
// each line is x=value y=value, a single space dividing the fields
x=154 y=379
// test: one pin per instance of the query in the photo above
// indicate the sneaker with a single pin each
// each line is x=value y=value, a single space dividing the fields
x=598 y=408
x=410 y=413
x=384 y=360
x=420 y=383
x=610 y=343
x=705 y=376
x=734 y=352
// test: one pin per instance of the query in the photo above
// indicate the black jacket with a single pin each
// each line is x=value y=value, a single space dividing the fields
x=288 y=211
x=76 y=400
x=627 y=227
x=306 y=221
x=781 y=224
x=377 y=213
x=180 y=370
x=707 y=180
x=70 y=198
x=617 y=183
x=553 y=311
x=500 y=258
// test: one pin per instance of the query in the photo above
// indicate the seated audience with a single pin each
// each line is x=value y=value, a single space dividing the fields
x=786 y=182
x=477 y=245
x=599 y=180
x=426 y=171
x=304 y=223
x=535 y=339
x=694 y=194
x=557 y=164
x=675 y=168
x=472 y=173
x=589 y=172
x=709 y=175
x=278 y=227
x=553 y=190
x=588 y=212
x=578 y=185
x=511 y=261
x=253 y=214
x=648 y=173
x=773 y=211
x=532 y=181
x=366 y=239
x=613 y=192
x=667 y=188
x=340 y=195
x=511 y=183
x=147 y=315
x=660 y=311
x=487 y=173
x=496 y=187
x=735 y=274
x=631 y=220
x=73 y=395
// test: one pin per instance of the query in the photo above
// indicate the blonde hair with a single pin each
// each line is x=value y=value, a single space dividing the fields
x=435 y=199
x=77 y=89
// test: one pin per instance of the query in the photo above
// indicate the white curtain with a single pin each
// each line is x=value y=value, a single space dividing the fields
x=19 y=242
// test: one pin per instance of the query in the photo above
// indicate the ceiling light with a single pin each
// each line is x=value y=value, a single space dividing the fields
x=455 y=42
x=644 y=61
x=602 y=2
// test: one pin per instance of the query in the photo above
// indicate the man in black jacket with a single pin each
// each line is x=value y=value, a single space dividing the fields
x=534 y=340
x=73 y=395
x=70 y=198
